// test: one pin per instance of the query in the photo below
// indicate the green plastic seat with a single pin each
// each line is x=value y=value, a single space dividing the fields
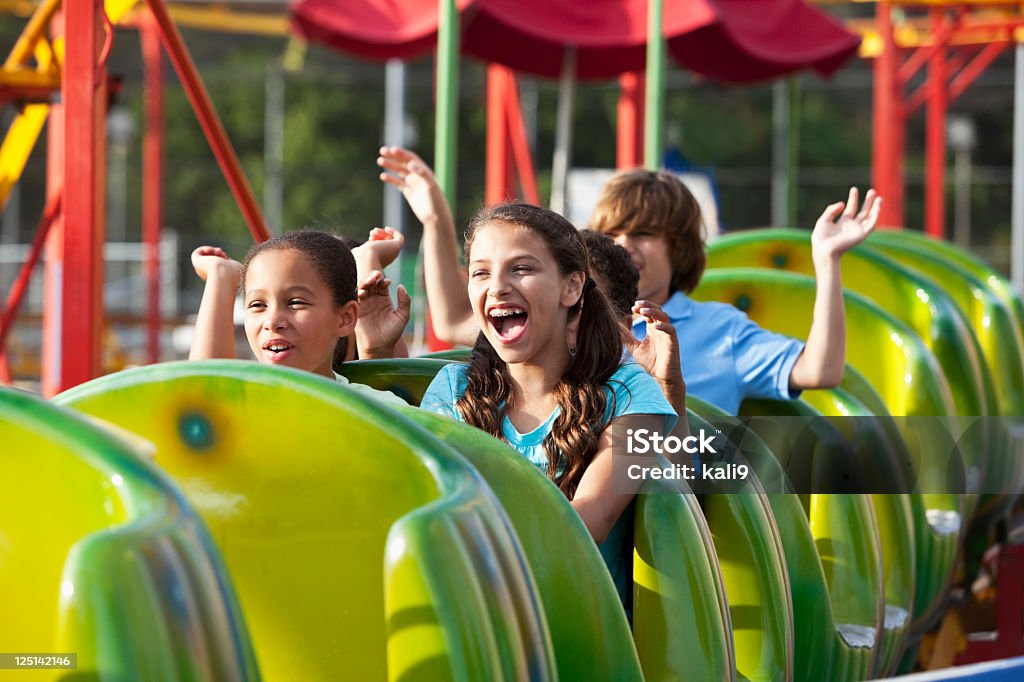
x=750 y=552
x=101 y=556
x=879 y=452
x=896 y=241
x=569 y=572
x=994 y=310
x=408 y=378
x=456 y=354
x=361 y=546
x=833 y=551
x=911 y=297
x=903 y=371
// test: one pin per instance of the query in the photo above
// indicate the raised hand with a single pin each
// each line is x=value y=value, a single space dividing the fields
x=380 y=324
x=841 y=226
x=382 y=246
x=208 y=259
x=407 y=171
x=658 y=353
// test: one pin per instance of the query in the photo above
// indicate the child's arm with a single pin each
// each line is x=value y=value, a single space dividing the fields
x=838 y=230
x=597 y=502
x=214 y=335
x=380 y=326
x=450 y=309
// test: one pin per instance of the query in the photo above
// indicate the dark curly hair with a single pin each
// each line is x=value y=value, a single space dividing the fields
x=611 y=263
x=332 y=259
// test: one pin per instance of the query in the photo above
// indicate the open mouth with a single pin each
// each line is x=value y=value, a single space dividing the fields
x=277 y=351
x=508 y=322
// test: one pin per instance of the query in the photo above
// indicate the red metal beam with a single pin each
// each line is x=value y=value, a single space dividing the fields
x=888 y=120
x=21 y=282
x=935 y=135
x=916 y=99
x=498 y=179
x=81 y=285
x=152 y=178
x=975 y=68
x=630 y=137
x=921 y=55
x=520 y=146
x=208 y=120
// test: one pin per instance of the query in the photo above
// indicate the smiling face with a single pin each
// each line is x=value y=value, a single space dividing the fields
x=520 y=298
x=291 y=318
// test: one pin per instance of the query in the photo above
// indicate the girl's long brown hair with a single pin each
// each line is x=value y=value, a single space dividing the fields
x=572 y=443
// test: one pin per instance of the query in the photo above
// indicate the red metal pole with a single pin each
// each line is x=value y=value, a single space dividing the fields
x=54 y=266
x=887 y=141
x=630 y=137
x=498 y=180
x=520 y=147
x=84 y=97
x=21 y=282
x=935 y=135
x=208 y=120
x=152 y=178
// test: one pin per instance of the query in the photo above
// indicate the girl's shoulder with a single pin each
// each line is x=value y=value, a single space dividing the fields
x=446 y=388
x=630 y=373
x=634 y=391
x=454 y=374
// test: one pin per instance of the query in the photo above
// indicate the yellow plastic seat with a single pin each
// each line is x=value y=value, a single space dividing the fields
x=361 y=547
x=102 y=557
x=994 y=310
x=910 y=297
x=910 y=382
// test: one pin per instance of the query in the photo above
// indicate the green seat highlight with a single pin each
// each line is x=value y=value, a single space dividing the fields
x=454 y=354
x=361 y=546
x=100 y=555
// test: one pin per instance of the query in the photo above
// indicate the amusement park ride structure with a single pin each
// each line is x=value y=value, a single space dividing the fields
x=58 y=75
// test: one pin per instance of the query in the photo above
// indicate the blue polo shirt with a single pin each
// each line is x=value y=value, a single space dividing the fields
x=726 y=357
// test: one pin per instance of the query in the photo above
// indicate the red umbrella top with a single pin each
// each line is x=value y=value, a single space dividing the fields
x=729 y=40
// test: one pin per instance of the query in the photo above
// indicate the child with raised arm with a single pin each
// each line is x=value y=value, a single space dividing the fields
x=546 y=372
x=300 y=304
x=726 y=357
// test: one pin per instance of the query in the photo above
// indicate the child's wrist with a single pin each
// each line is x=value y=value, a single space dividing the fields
x=825 y=261
x=225 y=271
x=431 y=221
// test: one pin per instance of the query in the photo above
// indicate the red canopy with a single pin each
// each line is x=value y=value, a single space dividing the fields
x=732 y=40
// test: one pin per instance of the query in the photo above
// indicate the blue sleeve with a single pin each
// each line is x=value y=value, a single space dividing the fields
x=446 y=388
x=636 y=392
x=764 y=361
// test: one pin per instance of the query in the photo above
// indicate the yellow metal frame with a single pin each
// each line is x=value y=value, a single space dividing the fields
x=24 y=131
